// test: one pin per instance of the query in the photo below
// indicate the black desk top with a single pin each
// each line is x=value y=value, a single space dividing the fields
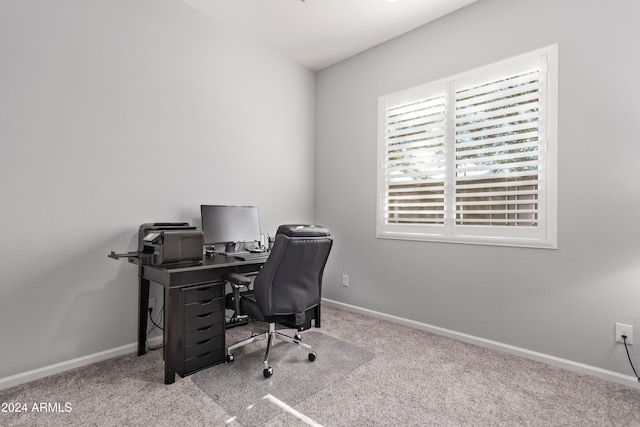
x=216 y=261
x=211 y=268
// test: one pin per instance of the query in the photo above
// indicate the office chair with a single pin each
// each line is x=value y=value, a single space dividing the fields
x=288 y=285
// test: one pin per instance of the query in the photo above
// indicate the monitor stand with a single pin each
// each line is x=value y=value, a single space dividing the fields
x=230 y=249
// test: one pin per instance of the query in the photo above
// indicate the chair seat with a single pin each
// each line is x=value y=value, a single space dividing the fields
x=250 y=307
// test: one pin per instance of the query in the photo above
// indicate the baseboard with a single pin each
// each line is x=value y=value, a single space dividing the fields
x=569 y=365
x=57 y=368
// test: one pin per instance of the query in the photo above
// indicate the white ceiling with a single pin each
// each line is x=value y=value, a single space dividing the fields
x=319 y=33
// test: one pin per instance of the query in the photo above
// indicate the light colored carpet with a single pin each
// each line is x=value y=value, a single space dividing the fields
x=243 y=392
x=415 y=379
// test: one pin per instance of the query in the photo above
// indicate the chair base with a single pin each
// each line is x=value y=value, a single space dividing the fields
x=271 y=335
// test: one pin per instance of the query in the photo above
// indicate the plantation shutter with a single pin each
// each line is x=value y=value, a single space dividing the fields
x=472 y=158
x=496 y=152
x=415 y=162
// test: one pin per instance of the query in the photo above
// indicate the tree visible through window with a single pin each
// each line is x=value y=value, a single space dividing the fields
x=473 y=158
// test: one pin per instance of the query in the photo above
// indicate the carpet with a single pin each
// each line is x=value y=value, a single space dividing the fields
x=247 y=396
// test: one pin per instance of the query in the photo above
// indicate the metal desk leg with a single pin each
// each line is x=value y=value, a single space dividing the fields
x=143 y=306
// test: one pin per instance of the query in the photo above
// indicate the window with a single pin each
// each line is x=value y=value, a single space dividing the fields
x=473 y=158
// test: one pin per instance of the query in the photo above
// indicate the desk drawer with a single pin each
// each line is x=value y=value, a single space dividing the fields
x=203 y=307
x=202 y=334
x=204 y=361
x=203 y=347
x=203 y=292
x=203 y=320
x=202 y=329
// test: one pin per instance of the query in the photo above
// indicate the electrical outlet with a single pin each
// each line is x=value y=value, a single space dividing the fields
x=627 y=330
x=345 y=280
x=152 y=305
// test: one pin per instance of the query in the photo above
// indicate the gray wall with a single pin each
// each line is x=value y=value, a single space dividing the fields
x=114 y=113
x=562 y=302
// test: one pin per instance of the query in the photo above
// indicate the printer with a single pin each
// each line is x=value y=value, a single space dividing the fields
x=162 y=243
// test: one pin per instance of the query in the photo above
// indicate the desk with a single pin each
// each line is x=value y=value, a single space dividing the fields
x=180 y=283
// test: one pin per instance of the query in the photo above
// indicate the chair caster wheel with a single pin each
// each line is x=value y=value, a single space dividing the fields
x=298 y=337
x=312 y=356
x=267 y=372
x=230 y=358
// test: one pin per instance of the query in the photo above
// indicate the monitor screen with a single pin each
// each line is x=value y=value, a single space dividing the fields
x=224 y=224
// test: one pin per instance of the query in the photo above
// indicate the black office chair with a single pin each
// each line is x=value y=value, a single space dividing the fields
x=287 y=287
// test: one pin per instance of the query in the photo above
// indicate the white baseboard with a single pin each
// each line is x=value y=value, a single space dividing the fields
x=46 y=371
x=569 y=365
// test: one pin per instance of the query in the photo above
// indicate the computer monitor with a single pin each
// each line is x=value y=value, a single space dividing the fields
x=230 y=225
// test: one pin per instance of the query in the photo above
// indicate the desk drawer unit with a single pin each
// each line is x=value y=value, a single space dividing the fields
x=202 y=327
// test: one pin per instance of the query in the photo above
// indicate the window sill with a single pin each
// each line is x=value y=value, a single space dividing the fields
x=471 y=240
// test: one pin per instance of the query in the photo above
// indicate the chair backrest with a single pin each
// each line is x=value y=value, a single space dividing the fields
x=290 y=282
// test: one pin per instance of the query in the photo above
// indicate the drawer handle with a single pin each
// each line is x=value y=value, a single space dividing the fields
x=207 y=301
x=204 y=329
x=204 y=342
x=204 y=289
x=204 y=316
x=202 y=356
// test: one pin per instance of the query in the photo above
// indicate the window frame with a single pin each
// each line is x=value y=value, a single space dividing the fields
x=544 y=235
